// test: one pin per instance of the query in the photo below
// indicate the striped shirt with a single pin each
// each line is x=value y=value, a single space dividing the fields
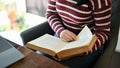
x=96 y=14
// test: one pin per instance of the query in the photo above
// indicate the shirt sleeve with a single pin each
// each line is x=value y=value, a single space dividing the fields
x=102 y=17
x=53 y=18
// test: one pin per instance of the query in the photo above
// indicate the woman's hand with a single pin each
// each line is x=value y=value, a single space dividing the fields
x=68 y=36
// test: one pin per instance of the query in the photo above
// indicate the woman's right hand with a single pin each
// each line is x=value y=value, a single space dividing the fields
x=68 y=36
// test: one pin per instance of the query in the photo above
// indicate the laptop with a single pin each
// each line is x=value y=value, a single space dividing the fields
x=8 y=53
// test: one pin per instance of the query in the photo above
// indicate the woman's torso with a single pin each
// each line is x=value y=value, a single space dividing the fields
x=74 y=16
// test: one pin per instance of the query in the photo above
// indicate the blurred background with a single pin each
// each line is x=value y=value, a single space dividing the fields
x=19 y=15
x=13 y=13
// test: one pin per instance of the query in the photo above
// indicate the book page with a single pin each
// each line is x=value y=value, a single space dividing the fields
x=84 y=38
x=49 y=42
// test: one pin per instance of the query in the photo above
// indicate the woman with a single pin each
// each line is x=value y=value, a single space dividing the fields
x=68 y=17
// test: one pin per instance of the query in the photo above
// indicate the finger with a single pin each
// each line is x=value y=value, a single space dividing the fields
x=73 y=36
x=67 y=38
x=64 y=40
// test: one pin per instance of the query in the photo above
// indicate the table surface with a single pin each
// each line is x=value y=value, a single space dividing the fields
x=33 y=60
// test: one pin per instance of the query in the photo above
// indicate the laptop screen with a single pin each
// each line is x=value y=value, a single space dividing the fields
x=8 y=54
x=3 y=46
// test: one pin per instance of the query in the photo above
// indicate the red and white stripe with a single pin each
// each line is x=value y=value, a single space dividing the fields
x=66 y=13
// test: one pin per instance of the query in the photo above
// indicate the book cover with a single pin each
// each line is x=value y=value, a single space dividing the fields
x=61 y=50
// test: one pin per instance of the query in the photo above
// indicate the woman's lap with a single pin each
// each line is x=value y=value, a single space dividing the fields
x=86 y=61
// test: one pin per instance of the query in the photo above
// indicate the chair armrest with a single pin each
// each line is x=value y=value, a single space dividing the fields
x=36 y=32
x=105 y=59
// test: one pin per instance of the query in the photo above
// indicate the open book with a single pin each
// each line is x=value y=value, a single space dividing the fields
x=59 y=49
